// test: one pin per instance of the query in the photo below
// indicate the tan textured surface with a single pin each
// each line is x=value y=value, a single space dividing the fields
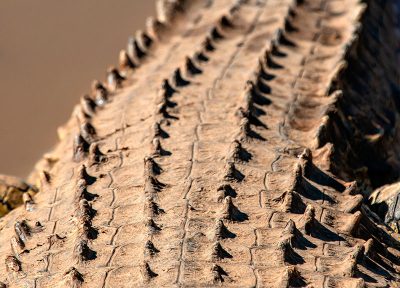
x=241 y=193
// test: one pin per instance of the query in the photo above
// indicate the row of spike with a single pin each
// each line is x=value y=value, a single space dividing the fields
x=18 y=242
x=256 y=89
x=179 y=79
x=290 y=202
x=292 y=238
x=191 y=67
x=83 y=145
x=254 y=94
x=229 y=211
x=137 y=49
x=324 y=133
x=84 y=214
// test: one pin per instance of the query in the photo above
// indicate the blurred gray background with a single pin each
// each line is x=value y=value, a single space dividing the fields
x=50 y=51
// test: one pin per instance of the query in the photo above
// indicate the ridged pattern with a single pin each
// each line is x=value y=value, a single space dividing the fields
x=221 y=151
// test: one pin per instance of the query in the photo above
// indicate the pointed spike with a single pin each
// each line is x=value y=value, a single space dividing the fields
x=28 y=202
x=146 y=272
x=165 y=11
x=242 y=113
x=263 y=87
x=297 y=178
x=290 y=228
x=167 y=89
x=291 y=277
x=216 y=34
x=290 y=201
x=285 y=200
x=13 y=264
x=244 y=129
x=369 y=248
x=82 y=252
x=157 y=149
x=151 y=167
x=95 y=155
x=225 y=190
x=274 y=49
x=357 y=253
x=221 y=231
x=130 y=50
x=73 y=278
x=125 y=63
x=22 y=230
x=114 y=79
x=154 y=28
x=150 y=249
x=152 y=226
x=80 y=115
x=201 y=57
x=322 y=135
x=271 y=64
x=289 y=26
x=144 y=40
x=191 y=68
x=178 y=80
x=237 y=152
x=208 y=45
x=218 y=273
x=85 y=210
x=226 y=22
x=84 y=222
x=88 y=105
x=253 y=92
x=17 y=246
x=349 y=266
x=80 y=190
x=231 y=173
x=152 y=185
x=248 y=99
x=291 y=233
x=138 y=51
x=306 y=160
x=88 y=132
x=100 y=93
x=83 y=174
x=218 y=252
x=308 y=220
x=285 y=250
x=151 y=208
x=80 y=148
x=262 y=71
x=161 y=109
x=231 y=212
x=353 y=204
x=352 y=225
x=282 y=39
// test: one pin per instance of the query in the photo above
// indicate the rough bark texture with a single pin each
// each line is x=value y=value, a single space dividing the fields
x=233 y=146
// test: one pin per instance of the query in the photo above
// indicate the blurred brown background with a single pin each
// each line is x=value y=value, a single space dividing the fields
x=50 y=51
